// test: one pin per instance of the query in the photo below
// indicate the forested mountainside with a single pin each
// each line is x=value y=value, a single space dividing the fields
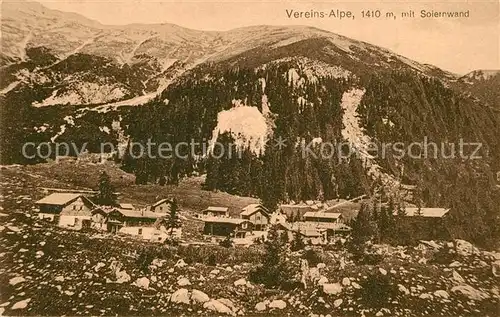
x=253 y=86
x=482 y=84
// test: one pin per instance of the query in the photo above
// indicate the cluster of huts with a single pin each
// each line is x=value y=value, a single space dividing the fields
x=312 y=224
x=76 y=211
x=316 y=224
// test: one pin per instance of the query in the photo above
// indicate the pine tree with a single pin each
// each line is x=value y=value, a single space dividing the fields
x=106 y=195
x=297 y=243
x=173 y=220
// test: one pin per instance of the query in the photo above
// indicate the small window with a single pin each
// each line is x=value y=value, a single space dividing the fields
x=139 y=231
x=74 y=207
x=257 y=218
x=161 y=208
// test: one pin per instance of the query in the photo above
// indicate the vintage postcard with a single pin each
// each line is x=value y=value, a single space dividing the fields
x=250 y=158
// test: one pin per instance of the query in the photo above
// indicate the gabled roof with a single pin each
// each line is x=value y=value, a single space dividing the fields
x=217 y=209
x=426 y=212
x=235 y=221
x=253 y=208
x=161 y=201
x=135 y=213
x=126 y=206
x=60 y=199
x=324 y=215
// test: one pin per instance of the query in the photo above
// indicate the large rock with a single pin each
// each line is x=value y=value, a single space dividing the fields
x=199 y=297
x=142 y=282
x=495 y=268
x=458 y=278
x=337 y=302
x=122 y=277
x=21 y=304
x=180 y=263
x=240 y=282
x=183 y=282
x=332 y=288
x=403 y=289
x=227 y=302
x=442 y=293
x=278 y=303
x=465 y=248
x=322 y=280
x=180 y=296
x=16 y=280
x=470 y=292
x=260 y=306
x=216 y=306
x=346 y=281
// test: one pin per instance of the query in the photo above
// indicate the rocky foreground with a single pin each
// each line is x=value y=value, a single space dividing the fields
x=45 y=270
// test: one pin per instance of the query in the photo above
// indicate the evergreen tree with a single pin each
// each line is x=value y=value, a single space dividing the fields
x=297 y=243
x=106 y=195
x=173 y=220
x=274 y=271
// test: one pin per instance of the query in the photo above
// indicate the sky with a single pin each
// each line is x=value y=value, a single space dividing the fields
x=459 y=45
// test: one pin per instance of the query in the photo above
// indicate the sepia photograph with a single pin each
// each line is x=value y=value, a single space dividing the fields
x=250 y=158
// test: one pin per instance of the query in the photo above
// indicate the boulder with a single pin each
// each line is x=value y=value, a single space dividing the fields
x=322 y=280
x=216 y=306
x=382 y=271
x=470 y=292
x=320 y=266
x=227 y=302
x=142 y=282
x=425 y=296
x=458 y=278
x=122 y=277
x=346 y=281
x=332 y=288
x=21 y=304
x=180 y=264
x=495 y=268
x=183 y=282
x=277 y=303
x=403 y=289
x=455 y=264
x=337 y=302
x=260 y=306
x=465 y=248
x=240 y=282
x=16 y=280
x=180 y=296
x=442 y=293
x=199 y=297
